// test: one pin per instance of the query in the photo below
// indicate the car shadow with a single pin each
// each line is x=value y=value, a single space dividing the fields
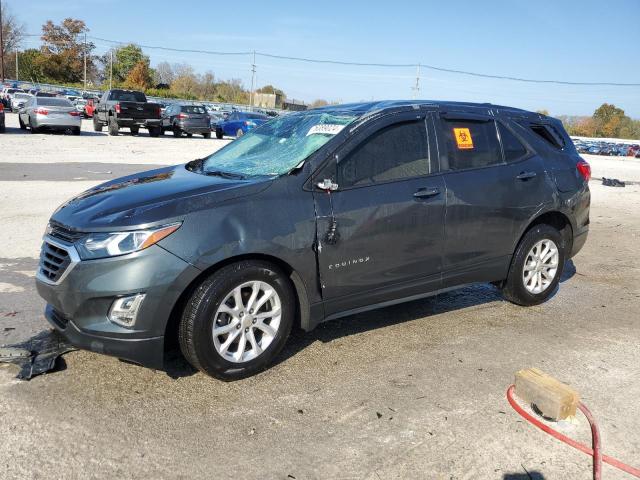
x=533 y=475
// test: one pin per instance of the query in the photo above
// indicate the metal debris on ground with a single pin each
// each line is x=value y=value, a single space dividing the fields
x=37 y=355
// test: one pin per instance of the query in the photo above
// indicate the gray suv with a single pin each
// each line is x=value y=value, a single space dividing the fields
x=314 y=216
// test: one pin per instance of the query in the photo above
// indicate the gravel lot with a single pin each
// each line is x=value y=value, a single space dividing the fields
x=411 y=391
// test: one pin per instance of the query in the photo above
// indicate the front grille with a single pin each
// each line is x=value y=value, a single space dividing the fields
x=63 y=233
x=54 y=260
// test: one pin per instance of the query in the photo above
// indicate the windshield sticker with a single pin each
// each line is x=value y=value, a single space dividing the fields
x=463 y=138
x=325 y=129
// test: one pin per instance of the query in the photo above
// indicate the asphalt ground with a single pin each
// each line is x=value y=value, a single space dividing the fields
x=411 y=391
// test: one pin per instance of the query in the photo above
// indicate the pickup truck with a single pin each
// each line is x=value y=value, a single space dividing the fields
x=126 y=108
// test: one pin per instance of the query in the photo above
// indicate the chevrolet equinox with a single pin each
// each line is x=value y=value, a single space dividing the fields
x=313 y=216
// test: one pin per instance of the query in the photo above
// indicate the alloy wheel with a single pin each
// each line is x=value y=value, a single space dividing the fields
x=540 y=266
x=247 y=321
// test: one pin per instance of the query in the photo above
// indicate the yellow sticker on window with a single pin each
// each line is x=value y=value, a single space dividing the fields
x=463 y=138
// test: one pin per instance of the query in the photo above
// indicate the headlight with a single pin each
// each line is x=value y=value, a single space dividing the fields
x=100 y=245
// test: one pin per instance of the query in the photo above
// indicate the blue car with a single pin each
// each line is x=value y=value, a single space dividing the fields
x=239 y=123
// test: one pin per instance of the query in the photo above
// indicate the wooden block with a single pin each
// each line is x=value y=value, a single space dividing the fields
x=554 y=399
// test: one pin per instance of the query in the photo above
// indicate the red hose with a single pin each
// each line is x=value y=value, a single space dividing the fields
x=598 y=457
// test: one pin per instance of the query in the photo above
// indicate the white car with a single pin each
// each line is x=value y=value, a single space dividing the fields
x=18 y=100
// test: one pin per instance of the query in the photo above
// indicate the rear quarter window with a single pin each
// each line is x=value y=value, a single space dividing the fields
x=548 y=133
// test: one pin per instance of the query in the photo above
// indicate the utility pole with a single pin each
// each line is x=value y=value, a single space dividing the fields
x=17 y=70
x=253 y=79
x=85 y=61
x=1 y=47
x=416 y=88
x=110 y=69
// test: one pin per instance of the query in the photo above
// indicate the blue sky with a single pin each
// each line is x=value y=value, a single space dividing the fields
x=570 y=40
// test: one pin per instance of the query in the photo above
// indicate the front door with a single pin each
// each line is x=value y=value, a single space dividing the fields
x=380 y=233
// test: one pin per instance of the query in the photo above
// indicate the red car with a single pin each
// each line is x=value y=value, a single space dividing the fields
x=90 y=107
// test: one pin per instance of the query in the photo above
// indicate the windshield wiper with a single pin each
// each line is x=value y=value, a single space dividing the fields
x=220 y=173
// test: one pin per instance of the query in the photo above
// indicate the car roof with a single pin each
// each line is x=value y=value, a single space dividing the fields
x=364 y=108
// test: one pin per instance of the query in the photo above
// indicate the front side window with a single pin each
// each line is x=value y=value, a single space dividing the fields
x=393 y=153
x=471 y=144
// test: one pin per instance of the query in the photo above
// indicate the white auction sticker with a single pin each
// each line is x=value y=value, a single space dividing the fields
x=325 y=129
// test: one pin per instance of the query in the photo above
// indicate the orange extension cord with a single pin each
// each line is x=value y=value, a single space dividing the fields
x=595 y=452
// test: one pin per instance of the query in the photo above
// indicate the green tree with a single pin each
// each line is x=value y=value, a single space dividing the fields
x=271 y=89
x=63 y=50
x=30 y=65
x=124 y=60
x=543 y=112
x=608 y=120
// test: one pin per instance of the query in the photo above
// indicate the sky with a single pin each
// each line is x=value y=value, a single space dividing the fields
x=566 y=40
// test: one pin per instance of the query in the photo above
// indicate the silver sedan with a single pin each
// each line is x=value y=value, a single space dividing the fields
x=52 y=113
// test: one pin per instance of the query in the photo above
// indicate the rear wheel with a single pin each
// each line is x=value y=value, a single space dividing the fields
x=154 y=131
x=189 y=135
x=207 y=135
x=22 y=125
x=113 y=126
x=176 y=131
x=97 y=125
x=219 y=134
x=135 y=130
x=239 y=133
x=237 y=320
x=536 y=266
x=31 y=127
x=76 y=131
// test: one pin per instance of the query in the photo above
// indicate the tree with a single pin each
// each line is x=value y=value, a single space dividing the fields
x=320 y=102
x=271 y=89
x=29 y=65
x=139 y=77
x=543 y=112
x=63 y=50
x=585 y=127
x=608 y=119
x=164 y=74
x=12 y=36
x=124 y=60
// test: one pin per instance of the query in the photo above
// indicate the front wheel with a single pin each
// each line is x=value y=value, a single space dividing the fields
x=207 y=135
x=97 y=125
x=134 y=130
x=536 y=266
x=113 y=126
x=154 y=131
x=219 y=134
x=238 y=320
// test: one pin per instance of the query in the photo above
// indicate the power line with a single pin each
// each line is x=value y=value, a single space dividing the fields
x=364 y=64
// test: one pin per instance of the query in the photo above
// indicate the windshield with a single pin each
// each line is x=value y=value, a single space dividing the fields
x=279 y=145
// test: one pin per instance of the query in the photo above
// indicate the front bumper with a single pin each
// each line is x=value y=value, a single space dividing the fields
x=78 y=306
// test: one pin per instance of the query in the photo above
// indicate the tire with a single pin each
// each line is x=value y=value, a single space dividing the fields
x=239 y=133
x=22 y=124
x=154 y=131
x=515 y=289
x=97 y=125
x=176 y=132
x=134 y=130
x=76 y=131
x=113 y=127
x=219 y=134
x=207 y=135
x=201 y=313
x=31 y=127
x=2 y=127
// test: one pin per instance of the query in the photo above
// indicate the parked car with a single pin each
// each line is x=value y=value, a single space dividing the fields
x=2 y=124
x=46 y=113
x=80 y=103
x=239 y=123
x=186 y=119
x=215 y=118
x=311 y=217
x=7 y=95
x=18 y=100
x=126 y=108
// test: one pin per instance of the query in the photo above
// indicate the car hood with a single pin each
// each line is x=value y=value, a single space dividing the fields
x=150 y=197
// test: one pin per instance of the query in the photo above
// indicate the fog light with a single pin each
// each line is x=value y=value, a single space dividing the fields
x=124 y=310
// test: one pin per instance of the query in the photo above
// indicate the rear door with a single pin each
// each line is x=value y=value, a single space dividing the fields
x=380 y=234
x=490 y=194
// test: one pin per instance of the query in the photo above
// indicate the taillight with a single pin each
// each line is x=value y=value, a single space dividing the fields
x=41 y=111
x=584 y=169
x=183 y=116
x=74 y=114
x=249 y=124
x=1 y=107
x=117 y=107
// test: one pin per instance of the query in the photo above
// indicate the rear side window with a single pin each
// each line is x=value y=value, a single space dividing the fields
x=549 y=134
x=511 y=146
x=193 y=109
x=471 y=144
x=396 y=152
x=54 y=102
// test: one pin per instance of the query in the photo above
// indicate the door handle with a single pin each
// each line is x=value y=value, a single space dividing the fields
x=526 y=175
x=427 y=192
